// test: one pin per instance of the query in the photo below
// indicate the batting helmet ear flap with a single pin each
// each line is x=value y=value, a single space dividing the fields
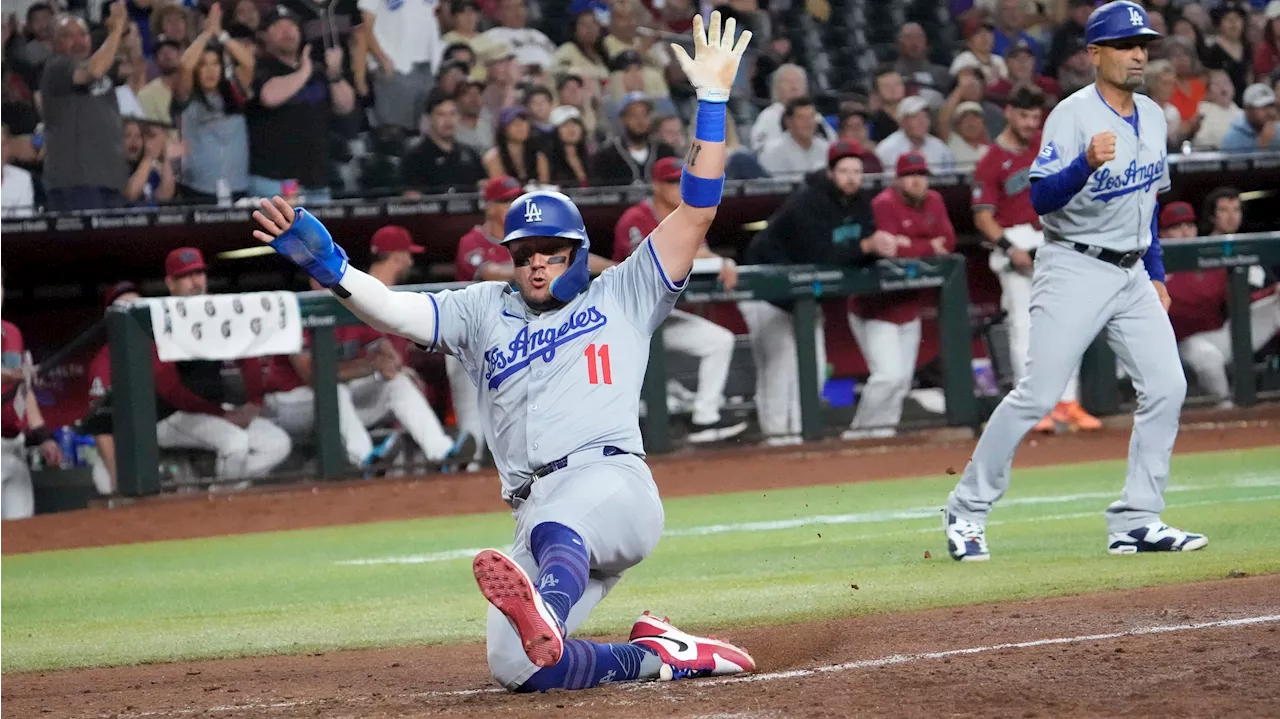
x=553 y=214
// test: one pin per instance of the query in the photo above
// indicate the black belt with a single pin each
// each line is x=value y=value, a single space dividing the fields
x=523 y=492
x=1123 y=260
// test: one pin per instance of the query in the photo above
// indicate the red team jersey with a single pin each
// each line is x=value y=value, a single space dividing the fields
x=635 y=224
x=477 y=248
x=1002 y=184
x=1198 y=301
x=353 y=343
x=11 y=347
x=920 y=224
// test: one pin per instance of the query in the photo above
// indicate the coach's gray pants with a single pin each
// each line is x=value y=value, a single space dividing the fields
x=1073 y=298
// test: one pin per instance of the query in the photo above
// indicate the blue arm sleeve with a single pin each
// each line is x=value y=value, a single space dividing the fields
x=1053 y=192
x=1154 y=259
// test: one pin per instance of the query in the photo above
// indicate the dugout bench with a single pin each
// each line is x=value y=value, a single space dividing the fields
x=1099 y=391
x=133 y=384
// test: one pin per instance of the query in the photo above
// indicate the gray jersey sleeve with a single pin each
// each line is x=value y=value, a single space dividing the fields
x=1061 y=142
x=642 y=289
x=458 y=313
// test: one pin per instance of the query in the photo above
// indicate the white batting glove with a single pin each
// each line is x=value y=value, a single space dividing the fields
x=716 y=57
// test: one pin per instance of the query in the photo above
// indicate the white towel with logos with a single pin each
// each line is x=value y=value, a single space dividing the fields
x=226 y=327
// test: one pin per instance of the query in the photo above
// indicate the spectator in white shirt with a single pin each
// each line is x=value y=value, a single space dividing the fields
x=402 y=37
x=533 y=49
x=979 y=42
x=789 y=82
x=913 y=134
x=799 y=149
x=969 y=141
x=1217 y=111
x=17 y=194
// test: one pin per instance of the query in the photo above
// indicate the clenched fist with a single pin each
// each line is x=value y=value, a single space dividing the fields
x=1102 y=149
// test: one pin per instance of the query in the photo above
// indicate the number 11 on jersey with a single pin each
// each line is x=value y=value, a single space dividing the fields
x=598 y=370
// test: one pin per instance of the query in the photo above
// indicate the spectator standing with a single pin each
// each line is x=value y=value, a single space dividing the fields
x=157 y=96
x=130 y=74
x=84 y=164
x=826 y=221
x=1189 y=89
x=914 y=136
x=325 y=27
x=979 y=43
x=517 y=151
x=533 y=49
x=789 y=83
x=913 y=62
x=888 y=93
x=1266 y=58
x=584 y=53
x=475 y=125
x=1255 y=129
x=968 y=141
x=193 y=398
x=208 y=109
x=1217 y=111
x=1010 y=30
x=1228 y=49
x=567 y=152
x=438 y=162
x=30 y=48
x=1021 y=61
x=629 y=157
x=798 y=150
x=17 y=193
x=683 y=332
x=887 y=326
x=402 y=38
x=466 y=24
x=289 y=116
x=1067 y=35
x=146 y=148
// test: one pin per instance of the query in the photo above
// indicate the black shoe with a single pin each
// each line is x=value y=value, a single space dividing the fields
x=717 y=431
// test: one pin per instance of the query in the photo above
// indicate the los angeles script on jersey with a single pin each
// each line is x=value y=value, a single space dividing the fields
x=527 y=346
x=1106 y=186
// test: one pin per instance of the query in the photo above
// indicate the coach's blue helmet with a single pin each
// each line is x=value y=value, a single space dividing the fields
x=1118 y=20
x=551 y=214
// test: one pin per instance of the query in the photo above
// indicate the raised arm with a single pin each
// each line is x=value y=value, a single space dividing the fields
x=298 y=235
x=711 y=70
x=101 y=61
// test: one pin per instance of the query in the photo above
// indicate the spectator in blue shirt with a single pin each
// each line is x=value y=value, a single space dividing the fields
x=1255 y=129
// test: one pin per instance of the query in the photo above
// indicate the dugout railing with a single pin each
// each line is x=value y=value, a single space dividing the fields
x=133 y=384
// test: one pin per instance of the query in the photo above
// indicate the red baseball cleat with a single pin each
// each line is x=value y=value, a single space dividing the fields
x=685 y=656
x=509 y=588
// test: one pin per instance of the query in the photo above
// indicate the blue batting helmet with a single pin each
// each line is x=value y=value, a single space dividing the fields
x=1120 y=20
x=552 y=214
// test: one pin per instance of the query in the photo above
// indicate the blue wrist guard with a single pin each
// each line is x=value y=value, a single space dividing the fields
x=700 y=191
x=308 y=243
x=709 y=126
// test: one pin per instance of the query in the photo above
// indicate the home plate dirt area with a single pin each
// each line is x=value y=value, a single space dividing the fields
x=1210 y=649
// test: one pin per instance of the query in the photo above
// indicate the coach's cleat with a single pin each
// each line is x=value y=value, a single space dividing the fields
x=508 y=588
x=1155 y=537
x=1075 y=417
x=716 y=431
x=966 y=540
x=685 y=656
x=1046 y=425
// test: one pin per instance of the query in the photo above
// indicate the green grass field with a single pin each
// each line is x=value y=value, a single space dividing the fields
x=748 y=558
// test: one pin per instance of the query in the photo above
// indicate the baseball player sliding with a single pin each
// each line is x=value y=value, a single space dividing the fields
x=1094 y=185
x=559 y=361
x=1002 y=212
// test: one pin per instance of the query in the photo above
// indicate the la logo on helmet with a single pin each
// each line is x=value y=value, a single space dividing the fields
x=1135 y=17
x=531 y=212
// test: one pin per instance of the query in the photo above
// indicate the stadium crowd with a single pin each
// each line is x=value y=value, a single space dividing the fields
x=220 y=102
x=142 y=102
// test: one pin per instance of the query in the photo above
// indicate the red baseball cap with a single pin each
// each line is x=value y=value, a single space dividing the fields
x=842 y=149
x=504 y=188
x=1176 y=213
x=394 y=238
x=912 y=163
x=183 y=261
x=668 y=169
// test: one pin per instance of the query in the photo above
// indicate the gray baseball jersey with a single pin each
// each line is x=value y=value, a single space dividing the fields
x=1114 y=209
x=559 y=382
